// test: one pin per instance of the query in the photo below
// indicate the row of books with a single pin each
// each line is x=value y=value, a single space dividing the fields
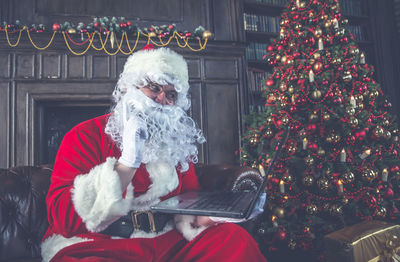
x=274 y=2
x=257 y=79
x=261 y=23
x=359 y=32
x=256 y=51
x=350 y=7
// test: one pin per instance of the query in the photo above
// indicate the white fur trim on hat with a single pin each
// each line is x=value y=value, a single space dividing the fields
x=97 y=196
x=162 y=66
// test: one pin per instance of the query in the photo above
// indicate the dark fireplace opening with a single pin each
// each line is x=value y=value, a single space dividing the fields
x=56 y=119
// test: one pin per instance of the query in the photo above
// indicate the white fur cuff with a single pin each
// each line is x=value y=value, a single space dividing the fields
x=183 y=224
x=97 y=196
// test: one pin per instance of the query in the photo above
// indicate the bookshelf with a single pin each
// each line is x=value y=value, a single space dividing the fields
x=261 y=24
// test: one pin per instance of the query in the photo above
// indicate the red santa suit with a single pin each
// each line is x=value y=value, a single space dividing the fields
x=85 y=198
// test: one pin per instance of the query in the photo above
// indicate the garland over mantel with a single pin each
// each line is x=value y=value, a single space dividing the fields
x=111 y=33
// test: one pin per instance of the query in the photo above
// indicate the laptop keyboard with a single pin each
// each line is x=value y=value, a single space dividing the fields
x=222 y=202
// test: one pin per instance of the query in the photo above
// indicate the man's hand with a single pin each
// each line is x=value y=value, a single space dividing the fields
x=133 y=140
x=203 y=221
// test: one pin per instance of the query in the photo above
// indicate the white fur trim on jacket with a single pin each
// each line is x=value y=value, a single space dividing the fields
x=183 y=224
x=164 y=180
x=55 y=243
x=97 y=196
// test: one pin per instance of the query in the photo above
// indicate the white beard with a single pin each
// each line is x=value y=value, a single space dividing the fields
x=172 y=133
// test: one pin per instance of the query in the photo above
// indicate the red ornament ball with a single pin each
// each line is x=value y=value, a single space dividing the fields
x=269 y=82
x=56 y=27
x=270 y=48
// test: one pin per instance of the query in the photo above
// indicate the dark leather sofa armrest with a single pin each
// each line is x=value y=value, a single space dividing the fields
x=23 y=217
x=227 y=177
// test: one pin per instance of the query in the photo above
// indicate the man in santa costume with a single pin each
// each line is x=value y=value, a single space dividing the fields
x=109 y=171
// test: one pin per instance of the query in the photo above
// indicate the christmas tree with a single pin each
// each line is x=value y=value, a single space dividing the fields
x=340 y=164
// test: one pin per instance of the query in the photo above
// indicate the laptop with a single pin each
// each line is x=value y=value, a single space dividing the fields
x=231 y=204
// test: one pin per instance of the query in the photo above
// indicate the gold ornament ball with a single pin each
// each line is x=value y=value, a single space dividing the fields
x=292 y=44
x=283 y=59
x=386 y=122
x=308 y=180
x=278 y=57
x=282 y=87
x=318 y=66
x=368 y=175
x=360 y=105
x=291 y=89
x=378 y=131
x=323 y=184
x=348 y=177
x=381 y=212
x=317 y=55
x=287 y=178
x=395 y=131
x=312 y=61
x=313 y=117
x=353 y=121
x=291 y=149
x=207 y=34
x=153 y=34
x=318 y=32
x=268 y=133
x=321 y=152
x=309 y=161
x=71 y=31
x=316 y=94
x=326 y=117
x=311 y=209
x=336 y=209
x=328 y=24
x=279 y=212
x=347 y=77
x=345 y=201
x=350 y=110
x=302 y=4
x=387 y=135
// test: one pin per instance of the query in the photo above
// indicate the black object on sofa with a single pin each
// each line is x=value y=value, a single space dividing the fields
x=23 y=216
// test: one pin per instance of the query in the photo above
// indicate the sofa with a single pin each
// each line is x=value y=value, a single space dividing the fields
x=23 y=216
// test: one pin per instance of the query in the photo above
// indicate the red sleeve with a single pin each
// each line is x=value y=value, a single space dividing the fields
x=79 y=152
x=189 y=180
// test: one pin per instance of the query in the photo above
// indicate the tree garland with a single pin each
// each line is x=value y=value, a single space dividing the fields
x=110 y=30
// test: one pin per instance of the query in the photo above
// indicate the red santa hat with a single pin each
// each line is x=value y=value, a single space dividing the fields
x=159 y=65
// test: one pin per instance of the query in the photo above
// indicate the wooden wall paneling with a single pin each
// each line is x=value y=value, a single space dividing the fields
x=221 y=122
x=50 y=65
x=196 y=112
x=75 y=67
x=5 y=127
x=25 y=65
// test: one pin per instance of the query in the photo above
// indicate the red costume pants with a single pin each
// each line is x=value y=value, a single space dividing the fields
x=225 y=242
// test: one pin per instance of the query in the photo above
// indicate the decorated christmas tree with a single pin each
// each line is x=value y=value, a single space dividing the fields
x=340 y=164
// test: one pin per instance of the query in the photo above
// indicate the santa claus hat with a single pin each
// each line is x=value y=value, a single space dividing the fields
x=161 y=66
